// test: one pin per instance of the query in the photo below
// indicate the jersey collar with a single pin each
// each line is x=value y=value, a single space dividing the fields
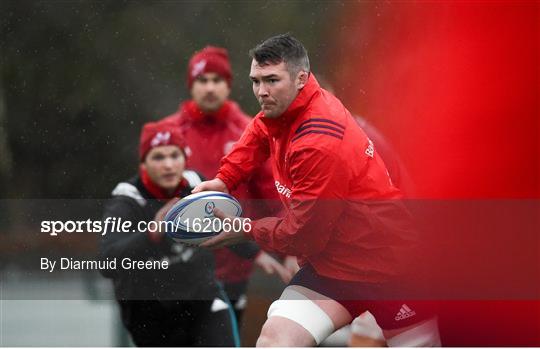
x=192 y=112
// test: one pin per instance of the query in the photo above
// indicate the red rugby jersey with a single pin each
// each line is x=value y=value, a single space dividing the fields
x=342 y=213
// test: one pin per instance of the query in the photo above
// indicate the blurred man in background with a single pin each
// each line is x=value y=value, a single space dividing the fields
x=182 y=305
x=210 y=124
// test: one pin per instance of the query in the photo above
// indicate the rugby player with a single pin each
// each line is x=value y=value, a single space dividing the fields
x=343 y=217
x=182 y=305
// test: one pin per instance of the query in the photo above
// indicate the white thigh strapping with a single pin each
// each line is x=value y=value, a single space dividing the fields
x=302 y=310
x=423 y=335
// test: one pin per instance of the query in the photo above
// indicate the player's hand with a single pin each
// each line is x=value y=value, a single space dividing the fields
x=225 y=238
x=291 y=264
x=157 y=235
x=160 y=214
x=271 y=266
x=215 y=184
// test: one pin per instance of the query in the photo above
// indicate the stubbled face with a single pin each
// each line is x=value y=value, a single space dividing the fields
x=165 y=165
x=210 y=91
x=274 y=87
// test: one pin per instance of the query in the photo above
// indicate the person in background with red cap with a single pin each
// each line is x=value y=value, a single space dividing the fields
x=181 y=305
x=211 y=123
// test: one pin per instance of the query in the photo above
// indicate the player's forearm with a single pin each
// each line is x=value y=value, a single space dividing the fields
x=303 y=231
x=274 y=234
x=229 y=176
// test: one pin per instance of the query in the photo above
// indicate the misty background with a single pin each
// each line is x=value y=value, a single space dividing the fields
x=78 y=79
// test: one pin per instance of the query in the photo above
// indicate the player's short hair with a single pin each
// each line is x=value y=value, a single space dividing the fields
x=282 y=48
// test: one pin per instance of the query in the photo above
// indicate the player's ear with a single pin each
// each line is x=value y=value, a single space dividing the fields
x=301 y=79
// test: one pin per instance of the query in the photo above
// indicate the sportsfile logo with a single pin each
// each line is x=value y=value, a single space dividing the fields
x=283 y=190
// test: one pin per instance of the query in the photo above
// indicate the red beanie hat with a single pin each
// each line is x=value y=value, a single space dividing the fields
x=210 y=59
x=155 y=134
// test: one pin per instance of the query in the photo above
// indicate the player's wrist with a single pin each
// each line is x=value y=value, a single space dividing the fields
x=227 y=183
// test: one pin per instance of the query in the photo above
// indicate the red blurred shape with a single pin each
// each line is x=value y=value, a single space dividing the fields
x=455 y=87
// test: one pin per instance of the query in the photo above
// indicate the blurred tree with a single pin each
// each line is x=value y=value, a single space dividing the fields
x=5 y=159
x=80 y=78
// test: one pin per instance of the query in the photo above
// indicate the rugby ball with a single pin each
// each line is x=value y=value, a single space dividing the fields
x=191 y=220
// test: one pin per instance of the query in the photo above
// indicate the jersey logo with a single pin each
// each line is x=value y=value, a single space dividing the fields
x=370 y=150
x=283 y=190
x=319 y=126
x=404 y=312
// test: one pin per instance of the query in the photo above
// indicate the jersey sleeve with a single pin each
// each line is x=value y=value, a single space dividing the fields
x=317 y=201
x=248 y=154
